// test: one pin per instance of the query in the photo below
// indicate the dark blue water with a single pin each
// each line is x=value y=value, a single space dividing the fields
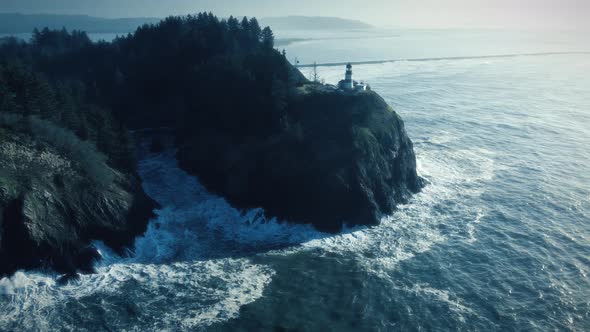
x=499 y=239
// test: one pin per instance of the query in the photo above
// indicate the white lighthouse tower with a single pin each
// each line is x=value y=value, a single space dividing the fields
x=348 y=76
x=347 y=83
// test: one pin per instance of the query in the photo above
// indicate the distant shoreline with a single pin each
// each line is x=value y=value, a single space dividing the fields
x=94 y=36
x=377 y=62
x=16 y=23
x=314 y=23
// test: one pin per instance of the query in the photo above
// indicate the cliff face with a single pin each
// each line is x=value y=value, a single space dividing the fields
x=341 y=158
x=51 y=209
x=312 y=156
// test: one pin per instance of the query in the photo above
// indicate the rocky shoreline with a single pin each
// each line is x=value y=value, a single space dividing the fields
x=51 y=211
x=342 y=159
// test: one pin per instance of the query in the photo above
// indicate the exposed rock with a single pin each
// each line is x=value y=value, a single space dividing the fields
x=50 y=210
x=341 y=158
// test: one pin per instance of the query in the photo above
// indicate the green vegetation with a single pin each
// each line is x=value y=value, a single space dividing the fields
x=246 y=122
x=364 y=140
x=8 y=186
x=84 y=153
x=57 y=114
x=184 y=72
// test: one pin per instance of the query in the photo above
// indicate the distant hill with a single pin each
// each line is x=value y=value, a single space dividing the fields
x=21 y=23
x=313 y=23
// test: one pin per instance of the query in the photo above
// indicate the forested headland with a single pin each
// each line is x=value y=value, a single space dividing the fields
x=247 y=123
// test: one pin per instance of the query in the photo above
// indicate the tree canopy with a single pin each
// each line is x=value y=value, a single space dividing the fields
x=194 y=73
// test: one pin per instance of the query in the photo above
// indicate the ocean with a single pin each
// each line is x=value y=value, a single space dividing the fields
x=499 y=239
x=95 y=37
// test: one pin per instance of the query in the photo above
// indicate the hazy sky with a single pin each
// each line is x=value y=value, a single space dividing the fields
x=562 y=14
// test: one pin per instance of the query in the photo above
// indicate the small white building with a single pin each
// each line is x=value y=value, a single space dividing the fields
x=348 y=84
x=360 y=86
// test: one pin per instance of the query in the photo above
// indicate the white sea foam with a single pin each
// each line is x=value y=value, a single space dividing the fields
x=182 y=254
x=209 y=218
x=186 y=268
x=192 y=294
x=455 y=178
x=472 y=225
x=415 y=228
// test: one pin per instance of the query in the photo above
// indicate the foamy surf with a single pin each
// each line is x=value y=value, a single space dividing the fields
x=167 y=296
x=189 y=250
x=182 y=272
x=194 y=258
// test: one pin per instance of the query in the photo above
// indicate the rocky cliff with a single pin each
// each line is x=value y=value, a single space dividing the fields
x=52 y=206
x=340 y=158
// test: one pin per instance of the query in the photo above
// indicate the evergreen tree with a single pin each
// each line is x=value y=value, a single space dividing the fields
x=233 y=26
x=268 y=38
x=245 y=25
x=196 y=68
x=255 y=30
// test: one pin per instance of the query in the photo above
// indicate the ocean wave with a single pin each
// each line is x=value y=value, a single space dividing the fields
x=210 y=218
x=443 y=210
x=195 y=258
x=191 y=266
x=157 y=296
x=454 y=303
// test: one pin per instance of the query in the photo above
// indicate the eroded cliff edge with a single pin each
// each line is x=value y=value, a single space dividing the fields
x=339 y=158
x=53 y=204
x=245 y=121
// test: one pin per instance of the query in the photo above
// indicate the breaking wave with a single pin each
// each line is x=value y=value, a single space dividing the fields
x=190 y=268
x=193 y=267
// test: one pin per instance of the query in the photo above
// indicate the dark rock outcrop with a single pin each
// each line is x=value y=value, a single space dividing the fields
x=340 y=158
x=50 y=210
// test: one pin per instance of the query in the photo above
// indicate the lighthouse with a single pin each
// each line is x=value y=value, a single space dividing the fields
x=348 y=76
x=348 y=84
